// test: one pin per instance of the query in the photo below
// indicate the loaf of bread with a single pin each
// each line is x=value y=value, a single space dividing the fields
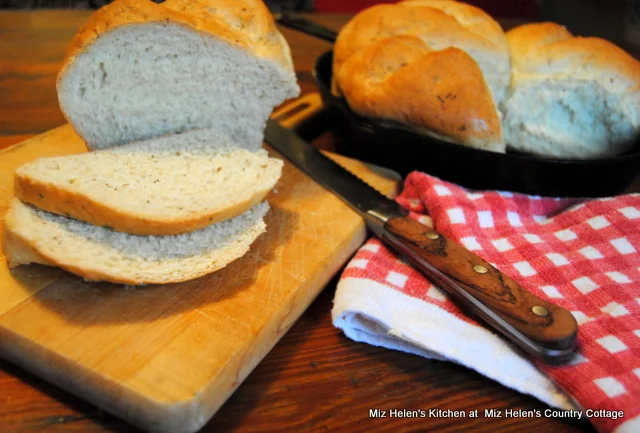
x=439 y=66
x=162 y=186
x=138 y=70
x=570 y=97
x=100 y=254
x=172 y=100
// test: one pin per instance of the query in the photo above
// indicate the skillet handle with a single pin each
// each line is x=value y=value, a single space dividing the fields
x=299 y=110
x=306 y=26
x=541 y=328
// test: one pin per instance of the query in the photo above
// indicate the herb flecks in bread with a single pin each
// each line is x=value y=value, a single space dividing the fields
x=101 y=254
x=163 y=186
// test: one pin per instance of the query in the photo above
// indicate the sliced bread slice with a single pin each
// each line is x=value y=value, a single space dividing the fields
x=164 y=186
x=100 y=254
x=138 y=70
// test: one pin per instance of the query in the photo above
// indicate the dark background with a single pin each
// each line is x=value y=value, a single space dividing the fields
x=615 y=20
x=277 y=5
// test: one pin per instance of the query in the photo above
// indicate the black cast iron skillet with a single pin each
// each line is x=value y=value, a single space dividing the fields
x=395 y=146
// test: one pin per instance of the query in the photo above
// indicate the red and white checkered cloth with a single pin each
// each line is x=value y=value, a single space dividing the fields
x=583 y=255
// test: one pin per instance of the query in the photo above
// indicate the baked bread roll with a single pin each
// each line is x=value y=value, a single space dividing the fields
x=380 y=66
x=138 y=70
x=570 y=97
x=455 y=105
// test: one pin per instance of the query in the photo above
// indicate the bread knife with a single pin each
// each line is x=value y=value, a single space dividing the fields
x=540 y=328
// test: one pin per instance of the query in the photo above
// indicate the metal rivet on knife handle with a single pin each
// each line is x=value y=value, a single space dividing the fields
x=480 y=269
x=540 y=311
x=432 y=235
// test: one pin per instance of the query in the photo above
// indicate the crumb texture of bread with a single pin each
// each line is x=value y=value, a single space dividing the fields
x=570 y=97
x=138 y=70
x=379 y=54
x=98 y=253
x=168 y=185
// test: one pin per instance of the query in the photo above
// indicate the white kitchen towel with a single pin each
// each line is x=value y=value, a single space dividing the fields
x=374 y=313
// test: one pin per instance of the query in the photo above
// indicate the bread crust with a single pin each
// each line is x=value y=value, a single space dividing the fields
x=19 y=250
x=400 y=78
x=264 y=39
x=253 y=29
x=399 y=41
x=547 y=56
x=437 y=26
x=548 y=49
x=84 y=208
x=248 y=21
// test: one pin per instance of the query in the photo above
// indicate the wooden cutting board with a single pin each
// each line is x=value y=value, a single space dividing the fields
x=165 y=358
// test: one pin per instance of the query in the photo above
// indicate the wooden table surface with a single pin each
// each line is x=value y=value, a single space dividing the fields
x=315 y=379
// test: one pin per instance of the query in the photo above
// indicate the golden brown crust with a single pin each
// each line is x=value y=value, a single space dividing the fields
x=20 y=250
x=526 y=40
x=264 y=40
x=549 y=49
x=79 y=206
x=383 y=21
x=438 y=26
x=388 y=39
x=250 y=20
x=471 y=17
x=402 y=79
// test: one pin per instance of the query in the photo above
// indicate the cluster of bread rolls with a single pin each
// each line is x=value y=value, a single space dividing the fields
x=448 y=70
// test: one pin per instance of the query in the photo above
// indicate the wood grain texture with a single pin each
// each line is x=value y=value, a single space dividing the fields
x=452 y=268
x=314 y=379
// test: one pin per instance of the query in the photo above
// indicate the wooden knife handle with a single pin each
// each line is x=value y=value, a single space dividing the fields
x=537 y=326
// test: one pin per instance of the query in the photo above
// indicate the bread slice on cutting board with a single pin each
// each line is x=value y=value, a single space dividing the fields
x=97 y=253
x=138 y=70
x=163 y=186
